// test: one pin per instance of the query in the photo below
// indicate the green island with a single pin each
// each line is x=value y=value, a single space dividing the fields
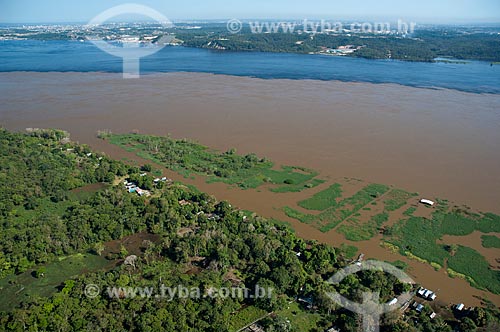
x=187 y=157
x=68 y=222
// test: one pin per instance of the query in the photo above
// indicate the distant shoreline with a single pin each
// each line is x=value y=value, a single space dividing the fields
x=477 y=77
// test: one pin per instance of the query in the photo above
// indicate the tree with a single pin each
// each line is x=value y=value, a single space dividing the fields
x=123 y=251
x=40 y=273
x=452 y=249
x=146 y=168
x=467 y=325
x=99 y=248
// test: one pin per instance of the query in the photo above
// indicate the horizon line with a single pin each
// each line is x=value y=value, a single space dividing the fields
x=455 y=22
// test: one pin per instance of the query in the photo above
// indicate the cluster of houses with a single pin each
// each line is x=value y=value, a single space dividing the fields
x=133 y=188
x=254 y=328
x=419 y=307
x=461 y=309
x=210 y=216
x=163 y=179
x=341 y=50
x=426 y=294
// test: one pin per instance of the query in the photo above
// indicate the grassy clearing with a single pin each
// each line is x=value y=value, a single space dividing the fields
x=246 y=316
x=17 y=288
x=324 y=199
x=188 y=158
x=354 y=230
x=470 y=263
x=332 y=216
x=490 y=241
x=300 y=320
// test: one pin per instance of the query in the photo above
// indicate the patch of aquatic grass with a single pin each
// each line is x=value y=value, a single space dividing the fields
x=324 y=199
x=354 y=230
x=348 y=251
x=391 y=247
x=480 y=273
x=333 y=216
x=417 y=236
x=462 y=223
x=455 y=274
x=298 y=187
x=416 y=258
x=436 y=266
x=490 y=241
x=302 y=217
x=396 y=199
x=410 y=211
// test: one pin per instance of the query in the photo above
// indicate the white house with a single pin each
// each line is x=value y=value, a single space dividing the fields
x=427 y=202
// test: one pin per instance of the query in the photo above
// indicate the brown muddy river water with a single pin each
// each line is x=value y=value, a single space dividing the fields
x=440 y=143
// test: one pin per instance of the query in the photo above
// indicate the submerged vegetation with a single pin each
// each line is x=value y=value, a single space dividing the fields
x=490 y=241
x=420 y=237
x=333 y=212
x=365 y=214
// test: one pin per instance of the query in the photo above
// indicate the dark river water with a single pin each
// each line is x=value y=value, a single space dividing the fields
x=43 y=56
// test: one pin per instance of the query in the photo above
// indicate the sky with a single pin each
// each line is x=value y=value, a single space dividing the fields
x=423 y=11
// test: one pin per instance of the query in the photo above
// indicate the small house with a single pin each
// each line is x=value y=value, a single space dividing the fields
x=393 y=301
x=427 y=202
